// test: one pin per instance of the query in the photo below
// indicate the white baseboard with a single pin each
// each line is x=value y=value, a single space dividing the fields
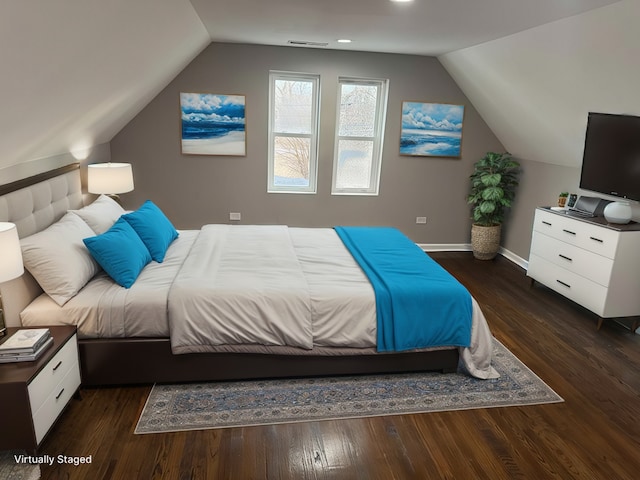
x=445 y=247
x=518 y=260
x=466 y=247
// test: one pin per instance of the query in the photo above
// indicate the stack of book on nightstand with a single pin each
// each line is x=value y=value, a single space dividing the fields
x=25 y=345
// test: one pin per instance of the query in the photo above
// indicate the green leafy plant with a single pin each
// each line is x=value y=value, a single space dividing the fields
x=564 y=195
x=493 y=188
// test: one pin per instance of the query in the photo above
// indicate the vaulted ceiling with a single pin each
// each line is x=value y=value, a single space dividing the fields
x=74 y=72
x=421 y=27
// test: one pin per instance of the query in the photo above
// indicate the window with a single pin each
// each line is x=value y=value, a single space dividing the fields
x=362 y=106
x=293 y=132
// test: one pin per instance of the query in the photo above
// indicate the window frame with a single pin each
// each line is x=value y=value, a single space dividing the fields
x=377 y=138
x=313 y=136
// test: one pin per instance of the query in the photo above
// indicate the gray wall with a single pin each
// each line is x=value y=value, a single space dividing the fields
x=540 y=184
x=194 y=190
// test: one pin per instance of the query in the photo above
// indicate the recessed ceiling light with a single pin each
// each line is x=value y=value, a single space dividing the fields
x=401 y=1
x=344 y=40
x=306 y=43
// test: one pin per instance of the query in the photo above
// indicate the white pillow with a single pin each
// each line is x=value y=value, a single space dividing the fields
x=58 y=259
x=101 y=214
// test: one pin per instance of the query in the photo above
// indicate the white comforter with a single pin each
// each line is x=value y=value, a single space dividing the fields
x=267 y=285
x=270 y=285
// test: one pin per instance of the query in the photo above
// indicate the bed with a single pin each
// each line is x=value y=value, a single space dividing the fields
x=153 y=330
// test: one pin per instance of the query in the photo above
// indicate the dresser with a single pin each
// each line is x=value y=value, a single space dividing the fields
x=34 y=394
x=589 y=261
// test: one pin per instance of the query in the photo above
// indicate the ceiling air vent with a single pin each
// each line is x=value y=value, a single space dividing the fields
x=305 y=43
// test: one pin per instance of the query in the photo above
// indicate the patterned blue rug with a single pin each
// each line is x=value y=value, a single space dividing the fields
x=202 y=406
x=11 y=468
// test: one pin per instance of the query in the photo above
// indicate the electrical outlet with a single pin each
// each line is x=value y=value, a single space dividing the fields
x=235 y=216
x=421 y=219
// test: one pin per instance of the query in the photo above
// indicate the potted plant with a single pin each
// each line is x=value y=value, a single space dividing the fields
x=493 y=186
x=562 y=199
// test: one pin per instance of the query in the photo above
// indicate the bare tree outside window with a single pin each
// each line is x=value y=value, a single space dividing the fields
x=358 y=154
x=293 y=133
x=292 y=158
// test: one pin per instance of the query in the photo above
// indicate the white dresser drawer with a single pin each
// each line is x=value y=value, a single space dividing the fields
x=575 y=287
x=592 y=266
x=33 y=394
x=44 y=417
x=582 y=234
x=44 y=383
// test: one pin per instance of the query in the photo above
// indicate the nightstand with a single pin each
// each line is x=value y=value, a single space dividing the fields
x=33 y=394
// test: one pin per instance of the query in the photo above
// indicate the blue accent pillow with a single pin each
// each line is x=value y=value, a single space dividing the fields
x=120 y=252
x=153 y=228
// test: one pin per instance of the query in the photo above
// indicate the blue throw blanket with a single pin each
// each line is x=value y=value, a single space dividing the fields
x=419 y=304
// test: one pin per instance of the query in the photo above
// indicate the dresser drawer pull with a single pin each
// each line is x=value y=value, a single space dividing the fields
x=596 y=239
x=57 y=366
x=546 y=223
x=60 y=394
x=566 y=258
x=562 y=283
x=568 y=231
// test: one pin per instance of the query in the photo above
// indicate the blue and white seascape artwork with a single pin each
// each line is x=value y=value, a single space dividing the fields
x=431 y=129
x=213 y=124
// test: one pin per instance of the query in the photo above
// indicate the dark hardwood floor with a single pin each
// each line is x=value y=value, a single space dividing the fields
x=594 y=434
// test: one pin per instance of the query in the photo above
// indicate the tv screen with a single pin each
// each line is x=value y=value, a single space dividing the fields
x=611 y=161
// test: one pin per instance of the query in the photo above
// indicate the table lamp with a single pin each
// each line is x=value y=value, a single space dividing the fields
x=109 y=178
x=10 y=260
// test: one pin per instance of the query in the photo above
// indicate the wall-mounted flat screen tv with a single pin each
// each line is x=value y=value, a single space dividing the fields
x=611 y=161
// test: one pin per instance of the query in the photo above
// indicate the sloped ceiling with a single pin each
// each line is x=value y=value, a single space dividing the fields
x=535 y=88
x=420 y=27
x=75 y=72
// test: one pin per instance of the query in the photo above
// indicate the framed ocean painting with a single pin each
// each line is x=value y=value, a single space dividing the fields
x=431 y=129
x=213 y=124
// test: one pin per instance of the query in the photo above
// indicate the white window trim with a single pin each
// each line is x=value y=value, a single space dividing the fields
x=378 y=138
x=313 y=137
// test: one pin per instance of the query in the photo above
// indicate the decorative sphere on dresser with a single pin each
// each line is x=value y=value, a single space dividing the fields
x=618 y=212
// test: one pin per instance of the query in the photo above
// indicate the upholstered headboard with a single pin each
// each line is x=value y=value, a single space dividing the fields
x=33 y=204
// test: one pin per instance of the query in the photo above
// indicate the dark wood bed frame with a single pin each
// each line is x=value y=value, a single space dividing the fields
x=149 y=360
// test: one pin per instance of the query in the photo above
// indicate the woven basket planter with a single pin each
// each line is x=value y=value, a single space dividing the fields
x=485 y=241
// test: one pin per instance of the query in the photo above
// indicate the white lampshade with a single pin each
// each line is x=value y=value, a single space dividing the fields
x=110 y=178
x=10 y=253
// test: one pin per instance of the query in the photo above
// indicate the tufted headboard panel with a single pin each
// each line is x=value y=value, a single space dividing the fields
x=33 y=204
x=34 y=207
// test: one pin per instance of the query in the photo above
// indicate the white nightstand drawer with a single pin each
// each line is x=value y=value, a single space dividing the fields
x=43 y=384
x=582 y=291
x=594 y=238
x=44 y=417
x=577 y=260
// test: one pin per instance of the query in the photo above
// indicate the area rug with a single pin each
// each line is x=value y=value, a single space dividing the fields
x=12 y=469
x=200 y=406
